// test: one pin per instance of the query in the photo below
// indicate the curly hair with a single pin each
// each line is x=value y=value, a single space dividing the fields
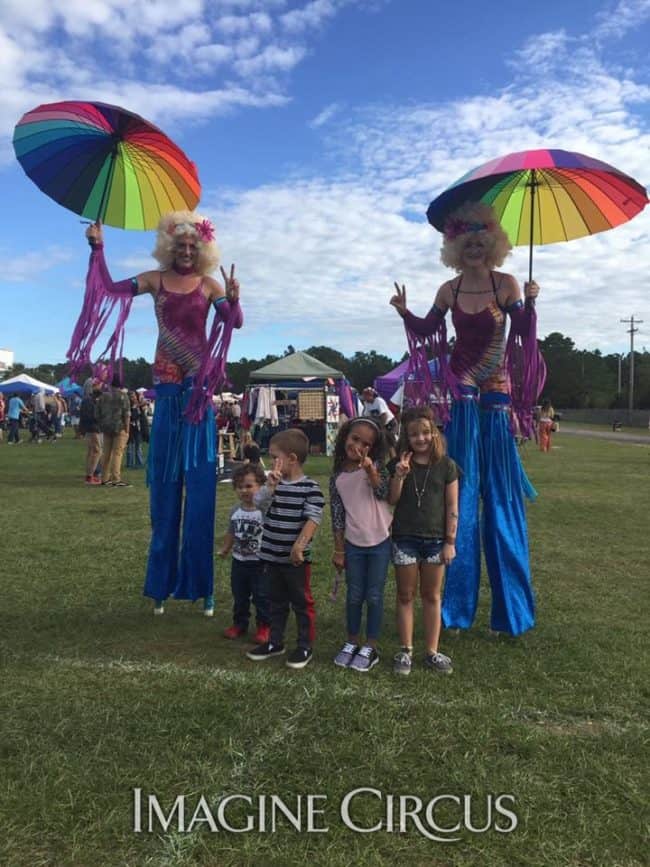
x=177 y=224
x=240 y=473
x=415 y=414
x=498 y=243
x=379 y=448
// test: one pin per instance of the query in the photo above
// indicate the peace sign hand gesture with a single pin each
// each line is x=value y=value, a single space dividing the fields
x=403 y=466
x=231 y=284
x=398 y=301
x=365 y=462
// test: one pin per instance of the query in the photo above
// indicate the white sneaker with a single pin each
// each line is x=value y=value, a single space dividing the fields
x=159 y=609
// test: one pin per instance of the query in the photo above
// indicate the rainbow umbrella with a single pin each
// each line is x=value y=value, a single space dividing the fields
x=545 y=196
x=103 y=162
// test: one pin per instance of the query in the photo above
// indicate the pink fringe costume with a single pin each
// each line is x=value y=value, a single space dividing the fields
x=493 y=383
x=188 y=368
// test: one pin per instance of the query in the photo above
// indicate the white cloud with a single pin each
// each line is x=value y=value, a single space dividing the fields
x=623 y=16
x=128 y=52
x=325 y=115
x=323 y=253
x=31 y=266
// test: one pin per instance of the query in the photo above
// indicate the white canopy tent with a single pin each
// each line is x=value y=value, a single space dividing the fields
x=27 y=385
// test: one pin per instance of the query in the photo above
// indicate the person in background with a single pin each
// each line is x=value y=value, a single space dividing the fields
x=376 y=408
x=89 y=428
x=546 y=426
x=74 y=405
x=3 y=412
x=15 y=409
x=138 y=429
x=113 y=418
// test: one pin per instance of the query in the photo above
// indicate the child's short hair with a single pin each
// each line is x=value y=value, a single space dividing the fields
x=240 y=473
x=421 y=413
x=379 y=449
x=252 y=453
x=292 y=441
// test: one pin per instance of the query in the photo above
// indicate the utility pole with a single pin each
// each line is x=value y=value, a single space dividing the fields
x=632 y=331
x=619 y=356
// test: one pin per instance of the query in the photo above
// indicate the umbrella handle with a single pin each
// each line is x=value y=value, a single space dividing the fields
x=533 y=186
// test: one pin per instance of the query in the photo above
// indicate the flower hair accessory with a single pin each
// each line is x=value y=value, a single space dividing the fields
x=454 y=228
x=205 y=230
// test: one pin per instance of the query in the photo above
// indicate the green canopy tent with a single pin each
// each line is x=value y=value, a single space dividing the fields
x=302 y=384
x=300 y=369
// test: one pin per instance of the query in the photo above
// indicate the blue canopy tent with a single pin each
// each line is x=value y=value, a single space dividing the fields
x=25 y=384
x=67 y=387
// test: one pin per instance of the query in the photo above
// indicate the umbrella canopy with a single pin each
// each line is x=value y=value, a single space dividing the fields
x=25 y=384
x=545 y=196
x=103 y=162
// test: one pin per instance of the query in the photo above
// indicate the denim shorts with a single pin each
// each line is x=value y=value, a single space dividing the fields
x=408 y=550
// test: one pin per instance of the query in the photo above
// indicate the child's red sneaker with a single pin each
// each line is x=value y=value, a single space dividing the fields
x=262 y=635
x=234 y=632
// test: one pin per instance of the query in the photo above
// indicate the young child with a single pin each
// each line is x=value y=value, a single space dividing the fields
x=361 y=522
x=424 y=487
x=243 y=538
x=293 y=506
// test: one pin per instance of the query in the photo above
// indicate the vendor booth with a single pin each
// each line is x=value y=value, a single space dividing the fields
x=297 y=391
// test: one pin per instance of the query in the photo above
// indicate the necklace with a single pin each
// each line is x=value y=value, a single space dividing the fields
x=419 y=492
x=474 y=291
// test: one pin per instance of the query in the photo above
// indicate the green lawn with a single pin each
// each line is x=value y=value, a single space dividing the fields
x=99 y=697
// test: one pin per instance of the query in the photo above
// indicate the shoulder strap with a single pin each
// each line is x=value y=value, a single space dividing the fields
x=457 y=289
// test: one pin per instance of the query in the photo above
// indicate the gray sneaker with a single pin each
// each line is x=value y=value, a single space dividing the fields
x=438 y=662
x=365 y=659
x=402 y=663
x=346 y=654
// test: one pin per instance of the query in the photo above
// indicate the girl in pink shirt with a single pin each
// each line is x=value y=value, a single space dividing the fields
x=361 y=521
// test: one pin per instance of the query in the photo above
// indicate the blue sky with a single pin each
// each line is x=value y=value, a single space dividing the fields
x=321 y=130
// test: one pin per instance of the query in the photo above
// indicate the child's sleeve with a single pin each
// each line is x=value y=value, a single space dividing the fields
x=314 y=505
x=452 y=471
x=263 y=499
x=381 y=491
x=336 y=507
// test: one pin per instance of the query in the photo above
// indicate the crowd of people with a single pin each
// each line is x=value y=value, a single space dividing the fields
x=396 y=495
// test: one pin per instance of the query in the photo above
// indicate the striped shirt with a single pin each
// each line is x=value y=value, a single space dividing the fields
x=292 y=503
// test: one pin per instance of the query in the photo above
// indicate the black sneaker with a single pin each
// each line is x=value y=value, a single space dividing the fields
x=265 y=651
x=299 y=657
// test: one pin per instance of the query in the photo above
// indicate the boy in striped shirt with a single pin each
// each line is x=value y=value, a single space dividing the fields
x=293 y=506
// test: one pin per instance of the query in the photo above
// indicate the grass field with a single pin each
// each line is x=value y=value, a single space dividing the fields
x=99 y=697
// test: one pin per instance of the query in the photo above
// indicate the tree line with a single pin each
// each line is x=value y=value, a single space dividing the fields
x=577 y=378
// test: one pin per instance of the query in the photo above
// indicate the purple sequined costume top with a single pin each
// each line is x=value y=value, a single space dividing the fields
x=182 y=339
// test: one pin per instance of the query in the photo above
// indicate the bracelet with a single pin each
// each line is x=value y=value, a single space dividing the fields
x=450 y=540
x=338 y=552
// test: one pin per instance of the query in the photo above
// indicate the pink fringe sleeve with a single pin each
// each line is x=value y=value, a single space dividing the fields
x=101 y=297
x=211 y=376
x=427 y=338
x=525 y=365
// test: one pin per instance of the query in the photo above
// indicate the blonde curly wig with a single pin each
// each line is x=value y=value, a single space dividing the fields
x=462 y=224
x=177 y=224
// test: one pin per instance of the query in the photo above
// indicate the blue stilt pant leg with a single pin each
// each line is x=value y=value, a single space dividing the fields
x=460 y=596
x=505 y=532
x=196 y=574
x=165 y=493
